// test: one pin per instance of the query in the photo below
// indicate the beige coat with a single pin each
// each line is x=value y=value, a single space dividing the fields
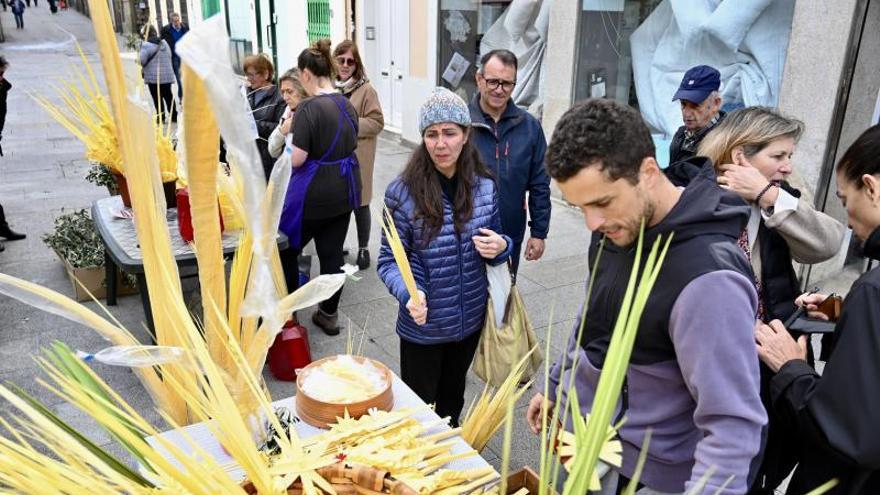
x=370 y=123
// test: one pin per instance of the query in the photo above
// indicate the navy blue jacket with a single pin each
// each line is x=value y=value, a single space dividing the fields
x=449 y=270
x=513 y=149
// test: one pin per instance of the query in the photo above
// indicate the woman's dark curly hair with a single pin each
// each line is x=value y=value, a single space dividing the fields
x=599 y=132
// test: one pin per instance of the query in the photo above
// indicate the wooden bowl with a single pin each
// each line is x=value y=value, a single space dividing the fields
x=323 y=414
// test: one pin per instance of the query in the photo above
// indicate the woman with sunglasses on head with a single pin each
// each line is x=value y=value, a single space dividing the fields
x=353 y=83
x=835 y=415
x=325 y=182
x=266 y=103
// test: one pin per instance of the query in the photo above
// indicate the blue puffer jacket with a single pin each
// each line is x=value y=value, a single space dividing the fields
x=449 y=270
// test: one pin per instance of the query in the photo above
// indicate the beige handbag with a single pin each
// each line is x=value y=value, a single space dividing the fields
x=503 y=344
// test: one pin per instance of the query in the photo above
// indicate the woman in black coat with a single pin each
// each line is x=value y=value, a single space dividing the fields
x=267 y=105
x=836 y=414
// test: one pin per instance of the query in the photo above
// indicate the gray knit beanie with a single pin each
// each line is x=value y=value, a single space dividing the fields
x=443 y=106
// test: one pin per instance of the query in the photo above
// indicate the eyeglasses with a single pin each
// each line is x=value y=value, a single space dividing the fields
x=495 y=83
x=346 y=61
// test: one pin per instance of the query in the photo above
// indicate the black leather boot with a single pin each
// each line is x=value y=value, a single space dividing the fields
x=9 y=234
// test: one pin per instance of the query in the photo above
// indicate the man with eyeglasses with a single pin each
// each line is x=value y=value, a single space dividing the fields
x=700 y=110
x=512 y=144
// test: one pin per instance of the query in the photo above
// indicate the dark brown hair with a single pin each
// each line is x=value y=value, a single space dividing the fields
x=345 y=46
x=421 y=179
x=317 y=59
x=599 y=132
x=862 y=157
x=261 y=64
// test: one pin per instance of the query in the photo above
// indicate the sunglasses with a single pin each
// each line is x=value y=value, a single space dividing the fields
x=350 y=62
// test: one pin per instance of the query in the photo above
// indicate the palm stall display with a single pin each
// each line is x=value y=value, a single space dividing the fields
x=86 y=113
x=215 y=377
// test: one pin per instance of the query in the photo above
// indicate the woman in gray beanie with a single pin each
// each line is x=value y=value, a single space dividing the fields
x=445 y=210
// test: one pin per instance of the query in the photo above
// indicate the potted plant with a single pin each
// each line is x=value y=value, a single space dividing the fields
x=76 y=241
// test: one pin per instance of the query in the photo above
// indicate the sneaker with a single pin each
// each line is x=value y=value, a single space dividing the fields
x=326 y=322
x=363 y=259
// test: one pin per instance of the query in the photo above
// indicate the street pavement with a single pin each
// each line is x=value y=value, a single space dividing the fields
x=42 y=176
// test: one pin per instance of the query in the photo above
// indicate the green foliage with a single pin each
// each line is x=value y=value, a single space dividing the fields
x=100 y=175
x=76 y=240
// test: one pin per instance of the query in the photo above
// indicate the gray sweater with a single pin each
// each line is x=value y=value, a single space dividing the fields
x=155 y=58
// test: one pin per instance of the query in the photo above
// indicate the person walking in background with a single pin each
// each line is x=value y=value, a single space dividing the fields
x=171 y=33
x=5 y=231
x=353 y=83
x=750 y=154
x=512 y=144
x=155 y=59
x=325 y=183
x=18 y=12
x=700 y=110
x=267 y=105
x=292 y=92
x=445 y=210
x=834 y=416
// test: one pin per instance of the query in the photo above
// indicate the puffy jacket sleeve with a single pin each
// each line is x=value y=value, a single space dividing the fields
x=495 y=225
x=276 y=142
x=840 y=410
x=386 y=266
x=371 y=121
x=539 y=188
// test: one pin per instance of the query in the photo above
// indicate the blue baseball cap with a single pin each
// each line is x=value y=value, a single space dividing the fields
x=698 y=83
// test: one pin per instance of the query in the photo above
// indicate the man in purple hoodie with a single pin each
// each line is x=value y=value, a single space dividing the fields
x=693 y=375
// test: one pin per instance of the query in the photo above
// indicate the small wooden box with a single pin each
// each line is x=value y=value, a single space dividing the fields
x=525 y=478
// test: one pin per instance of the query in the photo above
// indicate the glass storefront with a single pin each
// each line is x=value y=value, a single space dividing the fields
x=461 y=26
x=604 y=61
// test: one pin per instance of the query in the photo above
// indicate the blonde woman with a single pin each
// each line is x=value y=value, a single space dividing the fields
x=752 y=149
x=292 y=92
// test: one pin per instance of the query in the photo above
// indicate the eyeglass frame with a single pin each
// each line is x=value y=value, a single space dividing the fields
x=494 y=84
x=346 y=61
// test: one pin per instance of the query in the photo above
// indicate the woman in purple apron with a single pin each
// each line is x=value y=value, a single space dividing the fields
x=325 y=184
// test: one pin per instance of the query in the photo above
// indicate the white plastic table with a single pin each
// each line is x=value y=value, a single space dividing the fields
x=404 y=397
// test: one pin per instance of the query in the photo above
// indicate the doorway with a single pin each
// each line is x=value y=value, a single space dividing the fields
x=390 y=37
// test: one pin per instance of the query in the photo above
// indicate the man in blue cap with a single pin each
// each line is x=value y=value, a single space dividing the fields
x=700 y=110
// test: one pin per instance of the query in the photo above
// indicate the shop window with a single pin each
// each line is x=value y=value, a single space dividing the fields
x=461 y=26
x=604 y=60
x=318 y=19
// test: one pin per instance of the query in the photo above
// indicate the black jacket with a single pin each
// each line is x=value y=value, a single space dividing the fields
x=267 y=108
x=677 y=150
x=837 y=413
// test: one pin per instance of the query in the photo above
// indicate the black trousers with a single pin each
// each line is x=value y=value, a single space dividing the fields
x=436 y=373
x=163 y=99
x=362 y=220
x=329 y=236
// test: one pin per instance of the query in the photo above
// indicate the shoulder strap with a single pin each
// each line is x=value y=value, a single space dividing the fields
x=152 y=56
